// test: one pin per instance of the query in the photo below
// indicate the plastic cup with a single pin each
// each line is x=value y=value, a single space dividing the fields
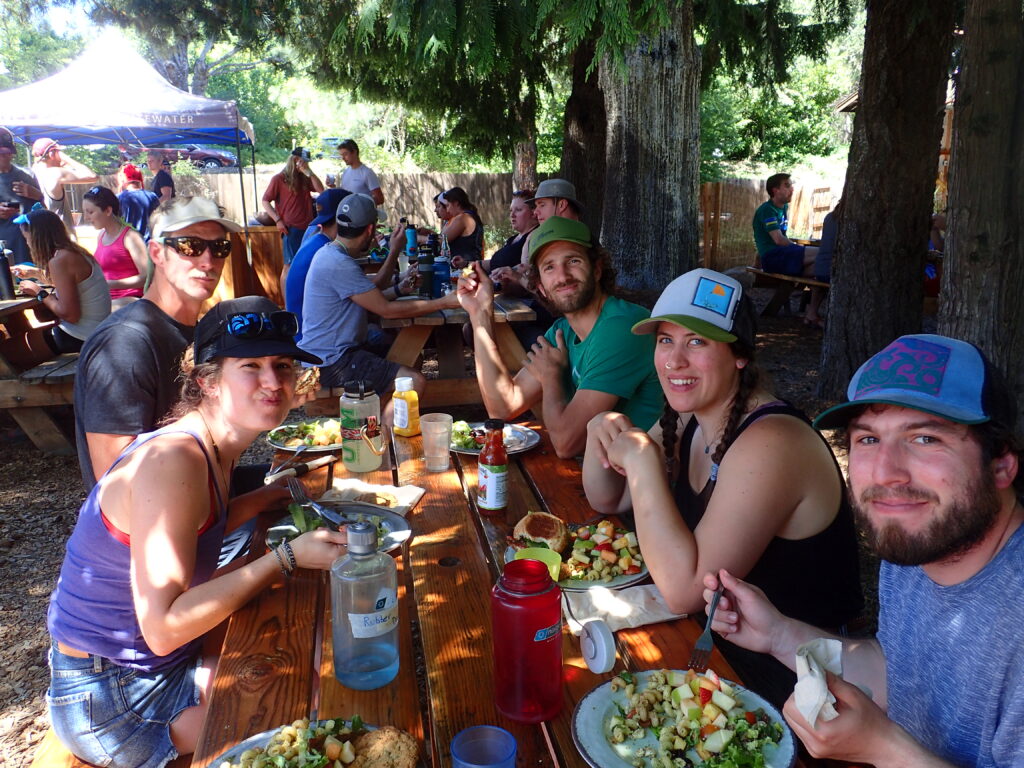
x=437 y=439
x=484 y=746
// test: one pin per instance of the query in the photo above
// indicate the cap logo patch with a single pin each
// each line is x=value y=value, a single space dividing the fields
x=713 y=296
x=908 y=364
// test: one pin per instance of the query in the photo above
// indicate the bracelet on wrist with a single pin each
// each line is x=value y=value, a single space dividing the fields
x=281 y=562
x=291 y=556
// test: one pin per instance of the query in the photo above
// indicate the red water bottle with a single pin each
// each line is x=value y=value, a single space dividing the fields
x=526 y=620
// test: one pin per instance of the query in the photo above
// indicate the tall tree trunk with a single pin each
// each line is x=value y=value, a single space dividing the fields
x=170 y=59
x=652 y=156
x=583 y=143
x=984 y=265
x=524 y=174
x=877 y=278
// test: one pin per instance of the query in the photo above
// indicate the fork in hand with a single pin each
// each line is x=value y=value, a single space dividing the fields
x=299 y=496
x=704 y=645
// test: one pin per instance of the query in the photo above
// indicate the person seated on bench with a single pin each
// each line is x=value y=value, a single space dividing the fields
x=823 y=264
x=730 y=474
x=137 y=593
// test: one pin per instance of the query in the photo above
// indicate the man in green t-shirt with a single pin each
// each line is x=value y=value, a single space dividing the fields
x=588 y=361
x=777 y=253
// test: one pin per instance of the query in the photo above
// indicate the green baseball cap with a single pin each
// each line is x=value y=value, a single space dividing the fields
x=559 y=229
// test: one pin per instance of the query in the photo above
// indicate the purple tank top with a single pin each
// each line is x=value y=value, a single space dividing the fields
x=92 y=609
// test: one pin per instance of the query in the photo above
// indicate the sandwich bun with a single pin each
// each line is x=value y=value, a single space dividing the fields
x=541 y=528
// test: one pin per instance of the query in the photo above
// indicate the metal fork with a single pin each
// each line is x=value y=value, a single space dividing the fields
x=299 y=496
x=704 y=645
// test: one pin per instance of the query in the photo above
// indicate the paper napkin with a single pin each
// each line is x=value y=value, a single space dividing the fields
x=399 y=500
x=618 y=608
x=813 y=659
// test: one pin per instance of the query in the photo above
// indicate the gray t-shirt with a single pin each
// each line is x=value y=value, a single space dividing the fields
x=331 y=322
x=126 y=380
x=955 y=658
x=360 y=180
x=10 y=232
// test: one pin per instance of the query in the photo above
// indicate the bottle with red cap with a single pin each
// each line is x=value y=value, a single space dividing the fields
x=492 y=469
x=526 y=618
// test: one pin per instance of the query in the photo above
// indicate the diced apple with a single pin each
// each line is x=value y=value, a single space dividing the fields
x=625 y=562
x=631 y=538
x=619 y=544
x=717 y=741
x=711 y=712
x=725 y=703
x=721 y=721
x=332 y=748
x=600 y=538
x=707 y=684
x=724 y=687
x=348 y=753
x=677 y=678
x=710 y=675
x=580 y=556
x=694 y=685
x=693 y=713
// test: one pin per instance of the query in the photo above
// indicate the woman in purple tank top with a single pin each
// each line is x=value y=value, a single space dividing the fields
x=749 y=486
x=136 y=592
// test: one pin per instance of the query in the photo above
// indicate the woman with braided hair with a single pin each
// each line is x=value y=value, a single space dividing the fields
x=731 y=477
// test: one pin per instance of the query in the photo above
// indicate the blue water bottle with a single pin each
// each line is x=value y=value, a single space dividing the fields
x=410 y=240
x=364 y=612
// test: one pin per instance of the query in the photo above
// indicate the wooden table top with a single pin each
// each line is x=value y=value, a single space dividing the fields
x=276 y=665
x=13 y=306
x=507 y=309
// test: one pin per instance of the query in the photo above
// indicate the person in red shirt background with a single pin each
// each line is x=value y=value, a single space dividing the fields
x=289 y=202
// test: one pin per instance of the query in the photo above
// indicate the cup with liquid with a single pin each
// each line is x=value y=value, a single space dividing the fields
x=436 y=429
x=484 y=746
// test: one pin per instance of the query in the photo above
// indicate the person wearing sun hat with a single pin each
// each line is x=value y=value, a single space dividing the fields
x=587 y=361
x=731 y=476
x=18 y=193
x=138 y=588
x=53 y=169
x=934 y=460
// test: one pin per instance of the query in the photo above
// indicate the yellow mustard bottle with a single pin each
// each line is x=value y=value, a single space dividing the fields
x=407 y=408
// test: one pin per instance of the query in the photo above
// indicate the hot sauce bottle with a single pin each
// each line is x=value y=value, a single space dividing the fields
x=492 y=478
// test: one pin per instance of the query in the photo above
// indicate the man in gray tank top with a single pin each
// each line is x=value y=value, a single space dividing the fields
x=53 y=170
x=934 y=478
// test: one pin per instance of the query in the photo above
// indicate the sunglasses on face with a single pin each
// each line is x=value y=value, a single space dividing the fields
x=194 y=247
x=251 y=325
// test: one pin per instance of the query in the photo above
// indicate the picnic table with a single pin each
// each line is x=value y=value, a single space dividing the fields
x=454 y=385
x=26 y=396
x=276 y=661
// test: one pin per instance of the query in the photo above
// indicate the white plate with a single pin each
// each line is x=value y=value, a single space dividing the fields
x=579 y=585
x=260 y=740
x=310 y=449
x=396 y=527
x=590 y=732
x=522 y=439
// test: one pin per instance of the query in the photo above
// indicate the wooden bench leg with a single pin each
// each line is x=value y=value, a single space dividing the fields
x=779 y=300
x=409 y=344
x=451 y=357
x=43 y=431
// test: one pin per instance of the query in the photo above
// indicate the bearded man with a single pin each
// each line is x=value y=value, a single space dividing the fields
x=934 y=479
x=588 y=361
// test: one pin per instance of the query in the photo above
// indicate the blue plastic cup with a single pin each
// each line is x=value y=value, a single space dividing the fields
x=484 y=746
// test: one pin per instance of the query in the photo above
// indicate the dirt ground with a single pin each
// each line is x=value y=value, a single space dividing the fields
x=39 y=500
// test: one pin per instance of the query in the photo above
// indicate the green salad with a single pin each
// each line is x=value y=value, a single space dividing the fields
x=304 y=744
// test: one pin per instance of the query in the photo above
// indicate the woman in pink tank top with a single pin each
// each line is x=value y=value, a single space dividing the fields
x=120 y=250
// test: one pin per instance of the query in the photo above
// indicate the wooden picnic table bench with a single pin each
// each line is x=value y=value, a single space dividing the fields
x=28 y=395
x=784 y=286
x=276 y=665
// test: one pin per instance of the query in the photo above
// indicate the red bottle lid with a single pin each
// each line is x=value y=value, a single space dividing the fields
x=526 y=577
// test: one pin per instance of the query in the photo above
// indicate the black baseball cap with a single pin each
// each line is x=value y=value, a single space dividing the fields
x=252 y=326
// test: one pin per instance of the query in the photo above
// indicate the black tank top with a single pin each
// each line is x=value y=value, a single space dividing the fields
x=470 y=247
x=816 y=579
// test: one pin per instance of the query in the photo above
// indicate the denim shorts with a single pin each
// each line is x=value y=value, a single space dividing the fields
x=784 y=260
x=116 y=716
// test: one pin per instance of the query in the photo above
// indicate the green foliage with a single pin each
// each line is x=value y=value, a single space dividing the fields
x=32 y=51
x=276 y=132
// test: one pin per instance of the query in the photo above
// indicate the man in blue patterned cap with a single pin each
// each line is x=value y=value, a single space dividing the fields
x=934 y=479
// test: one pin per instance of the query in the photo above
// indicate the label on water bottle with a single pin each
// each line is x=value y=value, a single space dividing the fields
x=381 y=621
x=547 y=633
x=401 y=413
x=492 y=486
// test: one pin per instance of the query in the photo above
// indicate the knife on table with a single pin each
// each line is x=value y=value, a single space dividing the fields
x=299 y=470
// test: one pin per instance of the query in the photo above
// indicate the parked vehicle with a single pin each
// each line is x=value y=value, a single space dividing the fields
x=204 y=157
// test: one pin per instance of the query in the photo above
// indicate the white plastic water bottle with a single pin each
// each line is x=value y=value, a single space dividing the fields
x=364 y=612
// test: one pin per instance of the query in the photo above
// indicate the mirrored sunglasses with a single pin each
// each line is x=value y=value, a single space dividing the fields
x=251 y=325
x=193 y=247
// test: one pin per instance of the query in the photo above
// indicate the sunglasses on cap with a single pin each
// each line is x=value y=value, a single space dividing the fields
x=252 y=325
x=193 y=247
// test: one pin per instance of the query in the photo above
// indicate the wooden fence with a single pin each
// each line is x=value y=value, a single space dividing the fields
x=727 y=210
